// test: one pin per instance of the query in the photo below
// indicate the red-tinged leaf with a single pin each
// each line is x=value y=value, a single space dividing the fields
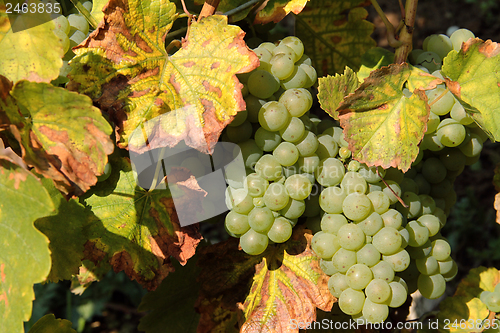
x=288 y=284
x=190 y=95
x=382 y=126
x=61 y=134
x=135 y=230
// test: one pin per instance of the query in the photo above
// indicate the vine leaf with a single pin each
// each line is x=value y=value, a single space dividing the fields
x=276 y=10
x=465 y=305
x=287 y=287
x=24 y=251
x=271 y=11
x=333 y=89
x=65 y=230
x=49 y=324
x=192 y=95
x=374 y=58
x=473 y=76
x=333 y=38
x=382 y=126
x=20 y=52
x=287 y=284
x=172 y=303
x=97 y=7
x=61 y=134
x=135 y=230
x=460 y=308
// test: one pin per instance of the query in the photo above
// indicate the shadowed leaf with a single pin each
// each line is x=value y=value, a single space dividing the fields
x=49 y=324
x=64 y=229
x=335 y=34
x=61 y=134
x=171 y=306
x=333 y=89
x=24 y=251
x=125 y=68
x=382 y=126
x=473 y=76
x=33 y=52
x=135 y=230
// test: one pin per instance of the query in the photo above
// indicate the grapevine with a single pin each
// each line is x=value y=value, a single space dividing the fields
x=244 y=179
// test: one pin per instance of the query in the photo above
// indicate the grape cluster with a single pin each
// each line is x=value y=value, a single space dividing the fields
x=376 y=231
x=276 y=138
x=491 y=299
x=71 y=31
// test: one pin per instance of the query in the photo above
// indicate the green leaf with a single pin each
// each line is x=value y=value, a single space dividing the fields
x=288 y=284
x=24 y=251
x=97 y=7
x=460 y=310
x=382 y=126
x=49 y=324
x=272 y=11
x=64 y=229
x=172 y=304
x=478 y=280
x=374 y=58
x=333 y=89
x=21 y=52
x=465 y=305
x=333 y=39
x=137 y=230
x=126 y=70
x=473 y=76
x=62 y=135
x=276 y=10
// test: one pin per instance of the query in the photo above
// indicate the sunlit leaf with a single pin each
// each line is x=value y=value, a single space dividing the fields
x=458 y=310
x=333 y=89
x=465 y=304
x=332 y=38
x=24 y=251
x=62 y=135
x=135 y=230
x=33 y=52
x=288 y=283
x=49 y=324
x=383 y=126
x=276 y=10
x=127 y=71
x=473 y=76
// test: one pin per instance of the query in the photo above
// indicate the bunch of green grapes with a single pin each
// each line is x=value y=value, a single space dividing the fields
x=276 y=138
x=71 y=31
x=491 y=299
x=376 y=250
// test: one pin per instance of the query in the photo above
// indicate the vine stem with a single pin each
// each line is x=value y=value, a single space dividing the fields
x=439 y=97
x=208 y=9
x=395 y=194
x=92 y=21
x=241 y=7
x=406 y=34
x=391 y=34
